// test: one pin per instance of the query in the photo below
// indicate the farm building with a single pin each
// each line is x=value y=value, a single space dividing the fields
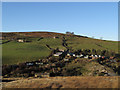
x=69 y=54
x=86 y=56
x=38 y=63
x=29 y=64
x=21 y=40
x=74 y=55
x=58 y=54
x=66 y=59
x=55 y=37
x=79 y=55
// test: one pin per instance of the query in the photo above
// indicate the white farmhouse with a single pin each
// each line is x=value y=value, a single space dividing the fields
x=20 y=40
x=29 y=64
x=58 y=54
x=66 y=59
x=99 y=56
x=74 y=55
x=96 y=56
x=86 y=56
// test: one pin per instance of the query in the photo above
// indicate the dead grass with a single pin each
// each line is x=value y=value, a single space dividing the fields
x=65 y=82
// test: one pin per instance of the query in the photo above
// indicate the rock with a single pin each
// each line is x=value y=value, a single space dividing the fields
x=103 y=70
x=106 y=75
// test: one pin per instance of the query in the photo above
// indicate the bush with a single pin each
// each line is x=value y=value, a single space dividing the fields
x=101 y=74
x=73 y=69
x=26 y=75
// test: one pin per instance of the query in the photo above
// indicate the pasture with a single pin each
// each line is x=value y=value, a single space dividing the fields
x=14 y=52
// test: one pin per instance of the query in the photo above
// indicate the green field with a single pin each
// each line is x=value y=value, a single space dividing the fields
x=89 y=43
x=14 y=52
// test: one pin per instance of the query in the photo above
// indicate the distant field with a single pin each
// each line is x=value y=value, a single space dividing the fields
x=88 y=43
x=14 y=52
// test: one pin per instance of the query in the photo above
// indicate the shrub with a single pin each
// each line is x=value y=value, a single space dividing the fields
x=73 y=69
x=101 y=74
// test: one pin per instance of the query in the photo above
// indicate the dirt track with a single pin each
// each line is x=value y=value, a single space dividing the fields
x=65 y=82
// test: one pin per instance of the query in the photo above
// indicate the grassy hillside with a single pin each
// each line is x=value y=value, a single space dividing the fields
x=89 y=43
x=14 y=52
x=63 y=82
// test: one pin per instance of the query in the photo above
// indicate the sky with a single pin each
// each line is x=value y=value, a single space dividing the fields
x=92 y=19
